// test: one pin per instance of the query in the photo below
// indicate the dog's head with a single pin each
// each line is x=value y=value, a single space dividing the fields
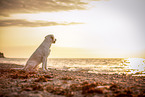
x=51 y=37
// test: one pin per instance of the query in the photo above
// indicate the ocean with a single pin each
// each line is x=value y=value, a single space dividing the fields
x=135 y=66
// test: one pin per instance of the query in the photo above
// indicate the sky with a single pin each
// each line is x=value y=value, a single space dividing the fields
x=83 y=28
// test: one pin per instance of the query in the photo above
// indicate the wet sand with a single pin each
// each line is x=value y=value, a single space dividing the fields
x=59 y=83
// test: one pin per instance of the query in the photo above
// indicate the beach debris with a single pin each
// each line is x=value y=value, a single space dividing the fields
x=76 y=87
x=95 y=90
x=91 y=88
x=44 y=78
x=58 y=90
x=46 y=75
x=7 y=71
x=41 y=79
x=124 y=95
x=113 y=87
x=19 y=76
x=35 y=95
x=67 y=78
x=31 y=72
x=19 y=83
x=33 y=86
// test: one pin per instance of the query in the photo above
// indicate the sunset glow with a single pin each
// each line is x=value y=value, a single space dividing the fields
x=83 y=28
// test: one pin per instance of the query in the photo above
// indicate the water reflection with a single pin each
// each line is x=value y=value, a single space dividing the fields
x=134 y=65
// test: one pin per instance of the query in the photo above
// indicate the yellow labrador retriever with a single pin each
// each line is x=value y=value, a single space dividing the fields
x=40 y=55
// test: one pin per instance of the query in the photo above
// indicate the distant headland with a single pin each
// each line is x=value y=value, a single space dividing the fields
x=2 y=55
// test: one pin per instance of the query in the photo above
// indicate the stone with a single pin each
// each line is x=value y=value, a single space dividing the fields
x=1 y=55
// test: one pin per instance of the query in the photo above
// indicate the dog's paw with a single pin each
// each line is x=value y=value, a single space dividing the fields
x=46 y=70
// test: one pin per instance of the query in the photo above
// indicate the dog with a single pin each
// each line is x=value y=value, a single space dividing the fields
x=40 y=55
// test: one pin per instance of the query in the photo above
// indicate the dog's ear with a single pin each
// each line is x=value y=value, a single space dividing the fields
x=49 y=36
x=53 y=39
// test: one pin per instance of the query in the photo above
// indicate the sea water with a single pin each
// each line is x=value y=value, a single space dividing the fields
x=91 y=65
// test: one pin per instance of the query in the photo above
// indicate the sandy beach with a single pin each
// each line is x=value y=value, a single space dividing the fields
x=61 y=83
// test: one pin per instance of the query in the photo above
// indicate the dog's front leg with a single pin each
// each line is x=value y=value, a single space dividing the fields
x=44 y=63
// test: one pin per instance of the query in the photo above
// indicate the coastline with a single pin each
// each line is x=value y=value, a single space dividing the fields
x=60 y=83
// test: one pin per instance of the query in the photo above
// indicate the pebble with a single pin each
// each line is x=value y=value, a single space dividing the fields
x=35 y=95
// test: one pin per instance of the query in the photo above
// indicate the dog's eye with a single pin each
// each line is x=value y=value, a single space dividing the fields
x=51 y=37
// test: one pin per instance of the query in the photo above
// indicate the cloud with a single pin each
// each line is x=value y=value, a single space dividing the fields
x=8 y=7
x=24 y=23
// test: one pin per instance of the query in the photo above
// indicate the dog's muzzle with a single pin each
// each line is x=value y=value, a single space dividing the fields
x=54 y=41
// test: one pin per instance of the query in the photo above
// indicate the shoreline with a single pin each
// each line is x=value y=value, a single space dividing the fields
x=59 y=83
x=97 y=66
